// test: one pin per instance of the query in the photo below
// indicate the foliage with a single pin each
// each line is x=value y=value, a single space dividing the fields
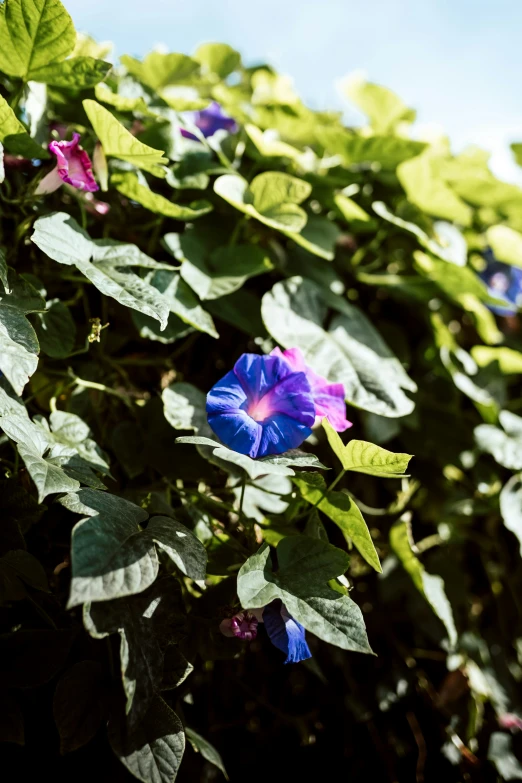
x=129 y=533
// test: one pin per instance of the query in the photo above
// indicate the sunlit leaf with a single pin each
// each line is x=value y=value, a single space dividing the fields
x=33 y=34
x=305 y=565
x=129 y=186
x=430 y=585
x=118 y=142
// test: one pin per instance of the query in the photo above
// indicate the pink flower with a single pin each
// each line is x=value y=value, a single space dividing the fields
x=73 y=166
x=328 y=397
x=243 y=625
x=510 y=721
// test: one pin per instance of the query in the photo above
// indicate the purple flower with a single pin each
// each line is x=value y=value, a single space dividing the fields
x=503 y=282
x=262 y=406
x=284 y=632
x=73 y=166
x=328 y=397
x=242 y=625
x=209 y=121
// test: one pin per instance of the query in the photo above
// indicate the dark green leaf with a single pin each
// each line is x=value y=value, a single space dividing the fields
x=78 y=705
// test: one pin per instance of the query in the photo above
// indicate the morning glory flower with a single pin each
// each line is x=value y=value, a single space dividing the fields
x=503 y=282
x=242 y=625
x=284 y=632
x=73 y=166
x=209 y=121
x=262 y=406
x=328 y=397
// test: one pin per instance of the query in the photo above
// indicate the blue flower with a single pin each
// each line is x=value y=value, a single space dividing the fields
x=262 y=406
x=209 y=121
x=503 y=282
x=285 y=633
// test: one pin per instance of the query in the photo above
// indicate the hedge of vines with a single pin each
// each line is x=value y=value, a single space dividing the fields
x=159 y=219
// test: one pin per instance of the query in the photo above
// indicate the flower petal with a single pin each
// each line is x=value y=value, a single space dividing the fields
x=328 y=397
x=209 y=121
x=237 y=431
x=226 y=395
x=286 y=633
x=74 y=165
x=51 y=182
x=281 y=433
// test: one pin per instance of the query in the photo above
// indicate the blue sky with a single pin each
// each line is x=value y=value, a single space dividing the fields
x=458 y=62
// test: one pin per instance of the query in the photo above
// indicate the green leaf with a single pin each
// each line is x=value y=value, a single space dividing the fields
x=350 y=210
x=14 y=135
x=505 y=445
x=268 y=146
x=69 y=431
x=4 y=271
x=145 y=624
x=506 y=244
x=181 y=302
x=363 y=457
x=48 y=476
x=500 y=752
x=159 y=70
x=253 y=468
x=78 y=73
x=305 y=567
x=508 y=360
x=511 y=506
x=384 y=151
x=242 y=310
x=455 y=251
x=219 y=59
x=17 y=569
x=56 y=330
x=319 y=237
x=272 y=198
x=129 y=186
x=78 y=707
x=122 y=102
x=350 y=351
x=118 y=142
x=18 y=341
x=384 y=108
x=430 y=586
x=33 y=33
x=297 y=459
x=104 y=262
x=152 y=751
x=208 y=751
x=112 y=557
x=219 y=273
x=56 y=460
x=184 y=407
x=264 y=495
x=109 y=556
x=342 y=510
x=427 y=190
x=2 y=177
x=462 y=286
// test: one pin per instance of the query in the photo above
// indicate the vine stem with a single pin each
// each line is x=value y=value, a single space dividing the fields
x=327 y=490
x=242 y=496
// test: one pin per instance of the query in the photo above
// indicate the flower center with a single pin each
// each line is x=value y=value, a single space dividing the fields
x=260 y=410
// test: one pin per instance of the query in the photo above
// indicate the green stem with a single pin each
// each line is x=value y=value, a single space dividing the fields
x=336 y=480
x=326 y=491
x=15 y=97
x=242 y=496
